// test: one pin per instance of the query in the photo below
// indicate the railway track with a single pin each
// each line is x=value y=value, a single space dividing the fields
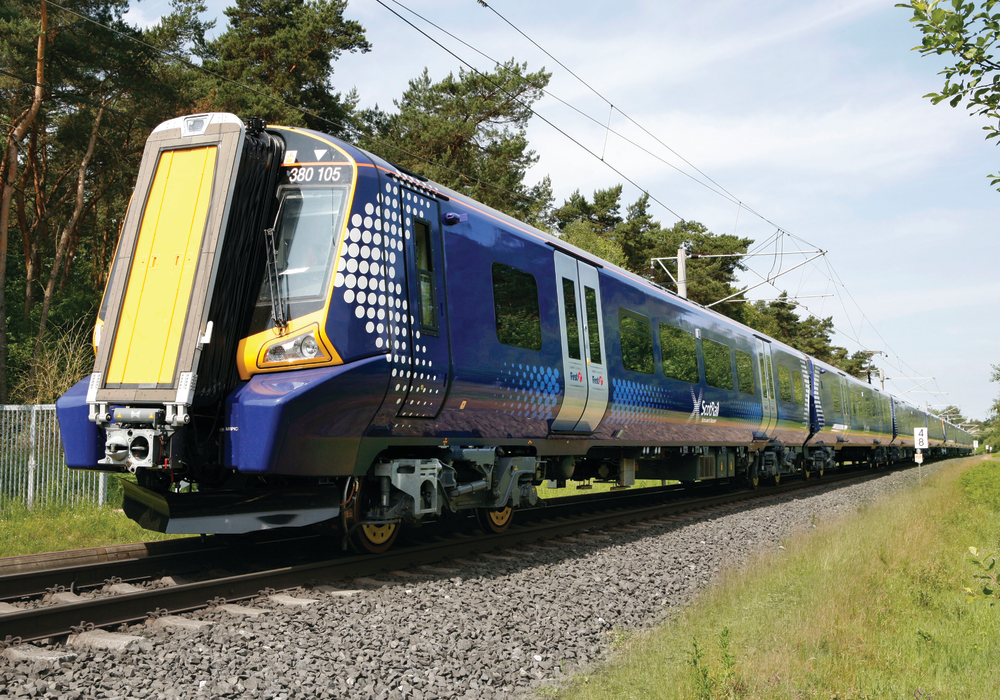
x=109 y=567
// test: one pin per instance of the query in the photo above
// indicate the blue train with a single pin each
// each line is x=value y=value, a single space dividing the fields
x=296 y=331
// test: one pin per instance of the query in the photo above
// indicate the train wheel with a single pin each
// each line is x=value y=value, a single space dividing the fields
x=376 y=538
x=369 y=538
x=753 y=476
x=493 y=521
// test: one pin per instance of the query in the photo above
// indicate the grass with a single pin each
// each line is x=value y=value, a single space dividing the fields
x=870 y=607
x=58 y=528
x=597 y=487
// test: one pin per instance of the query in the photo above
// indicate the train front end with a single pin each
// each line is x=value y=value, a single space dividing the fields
x=228 y=378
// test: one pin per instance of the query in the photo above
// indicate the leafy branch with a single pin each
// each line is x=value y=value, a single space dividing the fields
x=989 y=585
x=970 y=35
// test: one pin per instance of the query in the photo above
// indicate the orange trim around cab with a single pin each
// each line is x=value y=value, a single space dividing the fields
x=253 y=347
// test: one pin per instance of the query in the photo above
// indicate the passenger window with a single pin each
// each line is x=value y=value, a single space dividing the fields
x=744 y=372
x=637 y=342
x=425 y=276
x=718 y=364
x=515 y=303
x=800 y=396
x=593 y=325
x=680 y=354
x=572 y=326
x=784 y=383
x=835 y=393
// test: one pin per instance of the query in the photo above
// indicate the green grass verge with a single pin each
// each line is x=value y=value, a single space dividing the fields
x=870 y=607
x=572 y=488
x=58 y=528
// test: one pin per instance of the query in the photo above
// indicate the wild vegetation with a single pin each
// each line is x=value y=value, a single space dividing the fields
x=63 y=526
x=887 y=602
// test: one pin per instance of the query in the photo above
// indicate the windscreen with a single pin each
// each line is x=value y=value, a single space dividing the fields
x=306 y=237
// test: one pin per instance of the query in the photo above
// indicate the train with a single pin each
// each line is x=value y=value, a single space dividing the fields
x=296 y=332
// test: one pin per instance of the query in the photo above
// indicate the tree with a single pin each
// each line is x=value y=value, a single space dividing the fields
x=811 y=335
x=583 y=234
x=967 y=34
x=597 y=226
x=277 y=58
x=9 y=177
x=468 y=133
x=71 y=158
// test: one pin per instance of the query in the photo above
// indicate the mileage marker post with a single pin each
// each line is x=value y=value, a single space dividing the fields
x=920 y=442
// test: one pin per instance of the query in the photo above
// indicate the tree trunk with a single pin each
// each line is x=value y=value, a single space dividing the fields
x=66 y=236
x=30 y=238
x=8 y=185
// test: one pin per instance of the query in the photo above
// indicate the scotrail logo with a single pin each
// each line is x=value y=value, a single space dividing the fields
x=704 y=411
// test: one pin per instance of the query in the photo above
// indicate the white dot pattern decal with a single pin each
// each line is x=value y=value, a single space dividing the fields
x=418 y=389
x=360 y=279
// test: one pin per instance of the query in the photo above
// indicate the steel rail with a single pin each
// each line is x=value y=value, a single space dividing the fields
x=55 y=621
x=34 y=575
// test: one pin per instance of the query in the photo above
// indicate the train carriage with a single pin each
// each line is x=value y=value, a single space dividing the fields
x=296 y=331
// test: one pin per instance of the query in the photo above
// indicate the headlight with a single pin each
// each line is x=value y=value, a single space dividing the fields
x=300 y=348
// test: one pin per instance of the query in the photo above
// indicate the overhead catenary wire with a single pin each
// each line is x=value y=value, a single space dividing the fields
x=529 y=108
x=606 y=126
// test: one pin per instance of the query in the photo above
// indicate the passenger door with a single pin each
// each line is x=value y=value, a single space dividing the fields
x=581 y=330
x=768 y=403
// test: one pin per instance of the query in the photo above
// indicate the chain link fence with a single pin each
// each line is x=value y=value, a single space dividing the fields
x=32 y=470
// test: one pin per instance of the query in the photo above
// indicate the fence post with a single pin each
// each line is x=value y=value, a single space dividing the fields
x=32 y=463
x=102 y=489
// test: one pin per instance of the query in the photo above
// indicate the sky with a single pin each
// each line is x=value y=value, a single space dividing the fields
x=807 y=115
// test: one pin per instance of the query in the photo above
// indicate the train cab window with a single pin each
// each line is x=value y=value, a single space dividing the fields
x=637 y=342
x=718 y=364
x=593 y=325
x=744 y=372
x=306 y=239
x=797 y=391
x=784 y=383
x=425 y=276
x=680 y=354
x=572 y=327
x=515 y=303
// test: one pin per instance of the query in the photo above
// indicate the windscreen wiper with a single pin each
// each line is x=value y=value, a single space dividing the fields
x=278 y=315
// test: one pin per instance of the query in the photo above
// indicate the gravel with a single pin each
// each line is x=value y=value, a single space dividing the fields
x=493 y=626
